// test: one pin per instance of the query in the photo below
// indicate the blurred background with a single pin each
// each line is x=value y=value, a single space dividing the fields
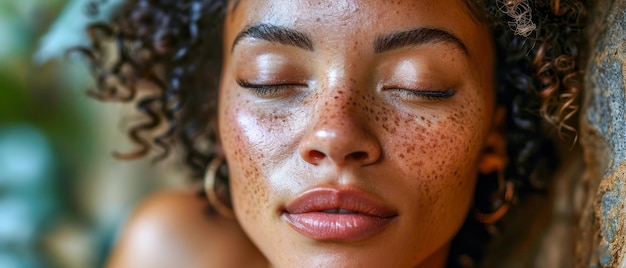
x=62 y=195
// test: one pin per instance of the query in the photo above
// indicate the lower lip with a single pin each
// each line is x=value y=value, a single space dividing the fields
x=337 y=227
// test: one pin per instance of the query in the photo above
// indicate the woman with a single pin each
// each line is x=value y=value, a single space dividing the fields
x=357 y=133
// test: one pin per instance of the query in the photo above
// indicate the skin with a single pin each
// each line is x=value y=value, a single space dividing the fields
x=349 y=118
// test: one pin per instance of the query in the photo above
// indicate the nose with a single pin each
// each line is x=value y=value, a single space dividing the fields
x=340 y=134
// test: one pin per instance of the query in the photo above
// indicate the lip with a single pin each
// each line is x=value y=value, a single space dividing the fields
x=314 y=214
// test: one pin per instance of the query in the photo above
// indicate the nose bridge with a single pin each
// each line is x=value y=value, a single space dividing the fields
x=336 y=108
x=339 y=92
x=339 y=100
x=340 y=132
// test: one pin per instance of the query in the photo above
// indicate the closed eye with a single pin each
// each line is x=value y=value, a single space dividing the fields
x=429 y=95
x=267 y=90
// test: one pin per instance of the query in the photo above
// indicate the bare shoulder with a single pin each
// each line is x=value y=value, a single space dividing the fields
x=173 y=229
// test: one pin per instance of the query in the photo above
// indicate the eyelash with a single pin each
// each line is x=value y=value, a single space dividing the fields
x=264 y=90
x=424 y=94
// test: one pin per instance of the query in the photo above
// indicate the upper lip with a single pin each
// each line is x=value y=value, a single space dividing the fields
x=326 y=199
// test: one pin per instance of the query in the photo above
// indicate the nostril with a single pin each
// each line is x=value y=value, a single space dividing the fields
x=316 y=155
x=359 y=155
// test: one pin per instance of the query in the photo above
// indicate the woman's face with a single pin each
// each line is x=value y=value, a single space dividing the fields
x=354 y=130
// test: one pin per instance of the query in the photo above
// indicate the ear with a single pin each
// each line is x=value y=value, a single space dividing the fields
x=494 y=156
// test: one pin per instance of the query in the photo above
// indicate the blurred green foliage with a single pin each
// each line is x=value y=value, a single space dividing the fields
x=49 y=96
x=48 y=100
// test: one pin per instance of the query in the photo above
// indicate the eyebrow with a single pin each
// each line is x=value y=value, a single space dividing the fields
x=278 y=34
x=415 y=37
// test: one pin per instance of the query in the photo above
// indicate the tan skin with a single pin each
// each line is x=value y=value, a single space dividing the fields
x=346 y=117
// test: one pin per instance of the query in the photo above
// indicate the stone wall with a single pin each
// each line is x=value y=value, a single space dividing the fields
x=601 y=195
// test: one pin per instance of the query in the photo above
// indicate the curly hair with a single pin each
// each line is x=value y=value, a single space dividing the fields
x=164 y=56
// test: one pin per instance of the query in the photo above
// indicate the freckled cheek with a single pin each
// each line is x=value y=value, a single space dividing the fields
x=439 y=146
x=441 y=165
x=241 y=136
x=251 y=137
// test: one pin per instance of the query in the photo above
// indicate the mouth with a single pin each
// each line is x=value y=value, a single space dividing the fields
x=339 y=211
x=337 y=215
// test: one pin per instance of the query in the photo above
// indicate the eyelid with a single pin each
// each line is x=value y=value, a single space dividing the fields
x=267 y=90
x=428 y=94
x=248 y=84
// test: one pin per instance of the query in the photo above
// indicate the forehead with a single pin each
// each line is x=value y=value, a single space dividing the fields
x=359 y=19
x=348 y=7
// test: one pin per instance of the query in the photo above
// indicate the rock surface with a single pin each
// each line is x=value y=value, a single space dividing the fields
x=601 y=196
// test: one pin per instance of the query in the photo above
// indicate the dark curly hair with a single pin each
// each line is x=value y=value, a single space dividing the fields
x=165 y=56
